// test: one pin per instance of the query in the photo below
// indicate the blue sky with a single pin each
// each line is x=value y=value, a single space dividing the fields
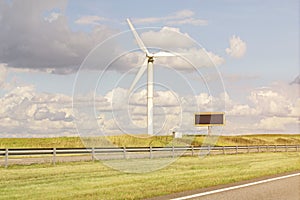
x=43 y=43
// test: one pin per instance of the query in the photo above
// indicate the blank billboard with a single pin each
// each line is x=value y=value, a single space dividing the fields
x=210 y=119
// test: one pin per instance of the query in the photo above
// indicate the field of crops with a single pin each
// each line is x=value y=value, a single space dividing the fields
x=142 y=141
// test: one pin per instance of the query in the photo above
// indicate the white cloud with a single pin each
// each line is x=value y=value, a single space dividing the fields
x=273 y=108
x=165 y=38
x=267 y=101
x=167 y=99
x=191 y=56
x=278 y=100
x=276 y=123
x=242 y=110
x=90 y=20
x=182 y=14
x=3 y=73
x=47 y=45
x=192 y=59
x=178 y=18
x=53 y=16
x=237 y=47
x=191 y=21
x=295 y=110
x=24 y=110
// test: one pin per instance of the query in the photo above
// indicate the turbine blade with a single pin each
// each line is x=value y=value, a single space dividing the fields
x=139 y=75
x=164 y=54
x=137 y=38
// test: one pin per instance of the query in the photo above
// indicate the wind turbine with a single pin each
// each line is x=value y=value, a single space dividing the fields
x=148 y=64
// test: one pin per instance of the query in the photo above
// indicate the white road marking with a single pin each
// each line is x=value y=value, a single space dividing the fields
x=235 y=187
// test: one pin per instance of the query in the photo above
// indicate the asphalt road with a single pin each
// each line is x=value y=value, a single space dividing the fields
x=285 y=187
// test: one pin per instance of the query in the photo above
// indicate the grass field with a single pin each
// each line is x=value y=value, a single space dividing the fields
x=93 y=180
x=128 y=141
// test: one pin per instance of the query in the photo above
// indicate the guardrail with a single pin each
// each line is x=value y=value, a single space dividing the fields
x=140 y=152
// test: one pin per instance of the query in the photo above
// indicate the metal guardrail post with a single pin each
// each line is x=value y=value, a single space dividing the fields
x=173 y=151
x=6 y=158
x=248 y=149
x=286 y=148
x=192 y=150
x=236 y=149
x=223 y=148
x=275 y=148
x=150 y=151
x=124 y=152
x=54 y=156
x=258 y=149
x=93 y=153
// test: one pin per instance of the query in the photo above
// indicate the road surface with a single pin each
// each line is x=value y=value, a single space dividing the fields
x=285 y=187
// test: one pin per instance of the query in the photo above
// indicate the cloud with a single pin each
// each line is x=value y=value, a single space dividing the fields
x=242 y=110
x=90 y=20
x=295 y=110
x=30 y=39
x=296 y=80
x=273 y=108
x=239 y=77
x=192 y=59
x=165 y=38
x=189 y=52
x=43 y=113
x=270 y=102
x=3 y=73
x=53 y=16
x=26 y=112
x=237 y=47
x=190 y=21
x=122 y=59
x=182 y=14
x=179 y=18
x=48 y=44
x=276 y=123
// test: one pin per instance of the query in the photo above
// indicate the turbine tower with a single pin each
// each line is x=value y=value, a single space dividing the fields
x=148 y=64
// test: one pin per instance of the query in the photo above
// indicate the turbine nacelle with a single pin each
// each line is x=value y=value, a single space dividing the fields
x=150 y=59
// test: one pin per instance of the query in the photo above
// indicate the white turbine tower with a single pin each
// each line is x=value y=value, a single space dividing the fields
x=148 y=64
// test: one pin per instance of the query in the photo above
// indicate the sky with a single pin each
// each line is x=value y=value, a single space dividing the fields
x=66 y=66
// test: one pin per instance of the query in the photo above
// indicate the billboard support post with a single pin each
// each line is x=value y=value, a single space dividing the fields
x=209 y=131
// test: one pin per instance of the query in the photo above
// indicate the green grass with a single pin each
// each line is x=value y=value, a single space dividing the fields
x=126 y=140
x=93 y=180
x=40 y=142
